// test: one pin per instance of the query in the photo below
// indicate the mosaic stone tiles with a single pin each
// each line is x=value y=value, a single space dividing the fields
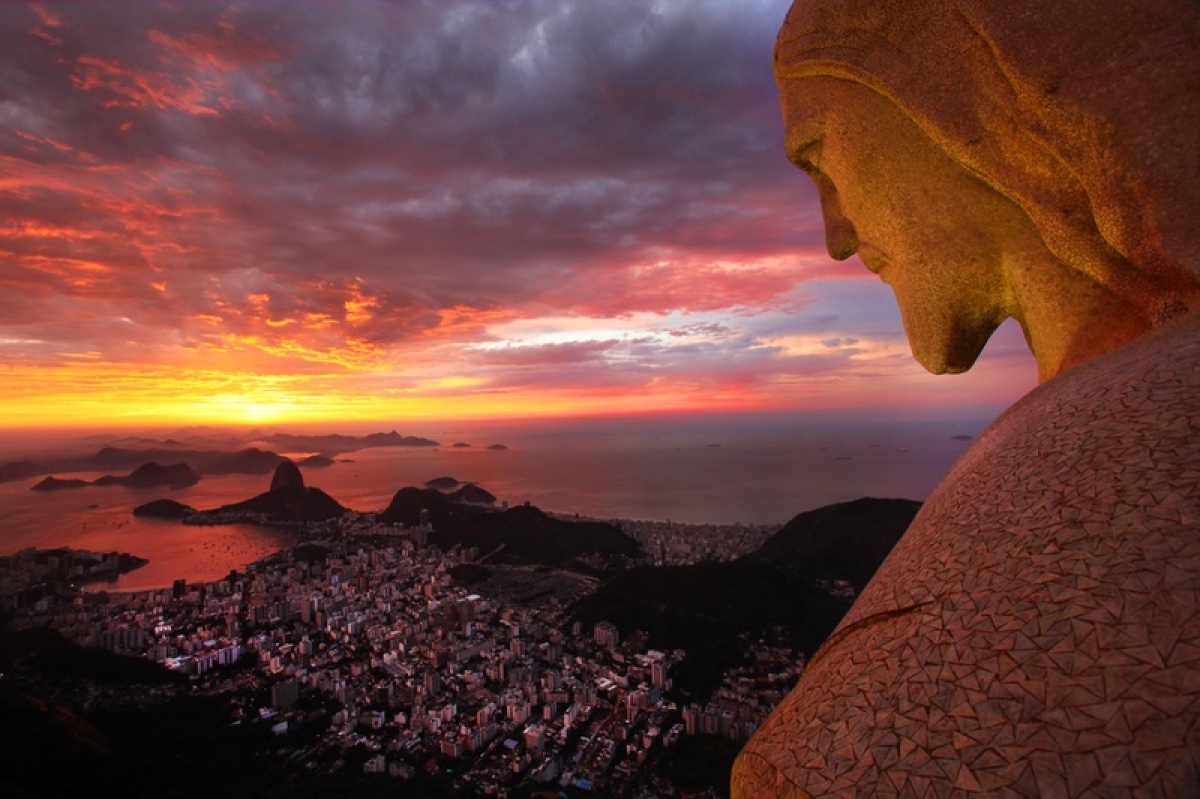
x=1037 y=630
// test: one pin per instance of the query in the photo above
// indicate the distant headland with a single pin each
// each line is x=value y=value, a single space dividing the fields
x=204 y=455
x=148 y=475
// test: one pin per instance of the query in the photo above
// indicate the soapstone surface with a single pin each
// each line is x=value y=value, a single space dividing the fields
x=1037 y=630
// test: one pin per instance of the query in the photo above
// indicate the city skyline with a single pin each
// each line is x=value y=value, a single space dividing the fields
x=259 y=213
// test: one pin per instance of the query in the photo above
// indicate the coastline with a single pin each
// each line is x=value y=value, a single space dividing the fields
x=664 y=543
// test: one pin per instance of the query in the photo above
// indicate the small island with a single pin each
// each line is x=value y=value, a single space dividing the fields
x=52 y=483
x=164 y=509
x=315 y=462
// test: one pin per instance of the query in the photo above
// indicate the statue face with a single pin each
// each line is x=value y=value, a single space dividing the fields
x=939 y=236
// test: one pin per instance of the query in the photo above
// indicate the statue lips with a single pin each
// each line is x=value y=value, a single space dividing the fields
x=874 y=260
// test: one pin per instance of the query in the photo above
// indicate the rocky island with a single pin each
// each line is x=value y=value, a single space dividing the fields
x=315 y=462
x=52 y=483
x=164 y=509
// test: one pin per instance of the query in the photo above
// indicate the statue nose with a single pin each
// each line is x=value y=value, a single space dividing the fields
x=841 y=239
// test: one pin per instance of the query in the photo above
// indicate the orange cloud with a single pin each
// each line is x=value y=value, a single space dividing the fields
x=58 y=146
x=47 y=17
x=193 y=73
x=225 y=50
x=122 y=86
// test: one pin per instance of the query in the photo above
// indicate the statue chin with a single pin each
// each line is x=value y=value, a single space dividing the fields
x=951 y=354
x=944 y=342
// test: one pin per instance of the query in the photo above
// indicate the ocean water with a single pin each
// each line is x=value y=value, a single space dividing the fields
x=694 y=471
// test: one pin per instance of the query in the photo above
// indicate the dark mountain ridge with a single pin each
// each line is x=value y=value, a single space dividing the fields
x=525 y=534
x=780 y=589
x=288 y=499
x=212 y=462
x=472 y=493
x=336 y=444
x=520 y=535
x=202 y=455
x=148 y=475
x=847 y=541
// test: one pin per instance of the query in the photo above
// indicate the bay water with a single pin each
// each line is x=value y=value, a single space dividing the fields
x=756 y=471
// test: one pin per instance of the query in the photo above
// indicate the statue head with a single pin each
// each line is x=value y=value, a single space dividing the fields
x=1026 y=159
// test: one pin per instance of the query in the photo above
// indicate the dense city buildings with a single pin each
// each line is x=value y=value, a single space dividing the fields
x=362 y=645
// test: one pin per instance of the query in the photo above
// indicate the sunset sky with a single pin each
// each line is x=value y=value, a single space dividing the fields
x=290 y=212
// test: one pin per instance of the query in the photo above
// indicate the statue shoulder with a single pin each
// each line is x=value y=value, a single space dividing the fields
x=1102 y=441
x=1058 y=551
